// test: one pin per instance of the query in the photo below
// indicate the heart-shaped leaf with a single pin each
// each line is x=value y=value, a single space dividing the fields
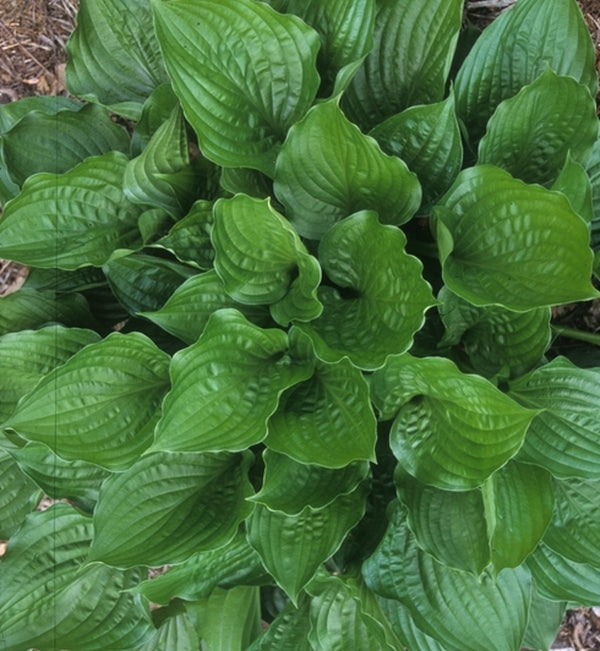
x=226 y=386
x=328 y=169
x=220 y=78
x=381 y=296
x=168 y=506
x=530 y=134
x=507 y=243
x=262 y=260
x=451 y=430
x=101 y=405
x=83 y=212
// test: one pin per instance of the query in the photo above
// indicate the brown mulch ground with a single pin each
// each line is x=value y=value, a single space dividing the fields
x=32 y=59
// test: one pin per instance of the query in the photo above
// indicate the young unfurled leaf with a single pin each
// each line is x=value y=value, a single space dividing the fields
x=503 y=242
x=221 y=58
x=328 y=169
x=530 y=134
x=451 y=430
x=379 y=298
x=262 y=261
x=101 y=405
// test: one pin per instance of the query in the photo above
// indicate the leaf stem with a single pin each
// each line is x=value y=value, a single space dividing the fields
x=572 y=333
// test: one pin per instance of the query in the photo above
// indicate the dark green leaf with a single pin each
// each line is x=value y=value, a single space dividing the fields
x=168 y=506
x=288 y=631
x=155 y=110
x=18 y=495
x=328 y=169
x=101 y=405
x=222 y=77
x=12 y=112
x=176 y=631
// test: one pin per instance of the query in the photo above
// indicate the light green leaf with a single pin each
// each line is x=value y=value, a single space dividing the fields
x=222 y=77
x=26 y=356
x=575 y=528
x=189 y=239
x=82 y=212
x=289 y=486
x=292 y=547
x=235 y=563
x=451 y=430
x=326 y=420
x=507 y=243
x=101 y=405
x=516 y=49
x=427 y=138
x=560 y=579
x=113 y=56
x=563 y=437
x=18 y=495
x=288 y=631
x=50 y=601
x=262 y=260
x=156 y=109
x=574 y=183
x=162 y=175
x=530 y=134
x=143 y=282
x=457 y=609
x=226 y=386
x=496 y=340
x=328 y=169
x=380 y=299
x=56 y=142
x=77 y=481
x=414 y=43
x=186 y=312
x=545 y=618
x=31 y=308
x=346 y=31
x=168 y=506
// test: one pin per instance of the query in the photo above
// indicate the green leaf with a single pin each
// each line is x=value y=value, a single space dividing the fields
x=328 y=169
x=162 y=175
x=18 y=495
x=289 y=486
x=427 y=138
x=101 y=405
x=563 y=437
x=292 y=547
x=83 y=213
x=593 y=171
x=156 y=109
x=346 y=31
x=243 y=180
x=507 y=243
x=189 y=239
x=62 y=140
x=144 y=282
x=30 y=308
x=380 y=299
x=574 y=183
x=530 y=134
x=50 y=601
x=168 y=506
x=226 y=386
x=575 y=528
x=235 y=563
x=560 y=579
x=262 y=260
x=288 y=631
x=26 y=356
x=326 y=420
x=113 y=56
x=451 y=430
x=455 y=608
x=186 y=312
x=220 y=79
x=413 y=47
x=175 y=631
x=497 y=341
x=74 y=480
x=516 y=49
x=545 y=618
x=405 y=628
x=12 y=112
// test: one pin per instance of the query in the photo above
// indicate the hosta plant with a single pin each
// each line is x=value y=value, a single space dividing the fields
x=286 y=333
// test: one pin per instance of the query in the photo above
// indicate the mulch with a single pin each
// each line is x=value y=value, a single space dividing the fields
x=32 y=62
